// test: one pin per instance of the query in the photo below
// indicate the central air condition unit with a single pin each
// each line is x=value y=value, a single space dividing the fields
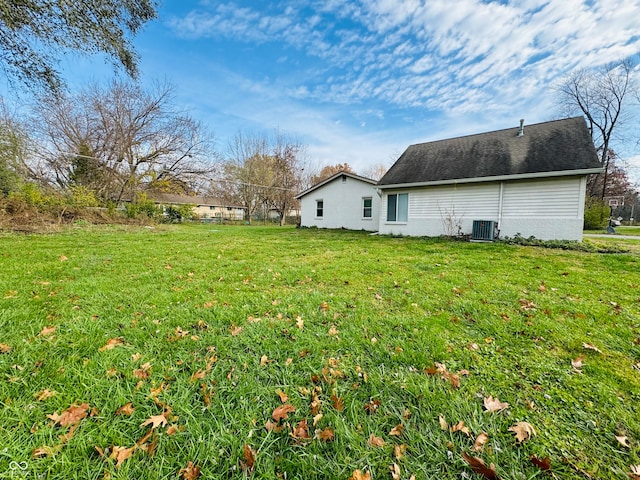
x=483 y=230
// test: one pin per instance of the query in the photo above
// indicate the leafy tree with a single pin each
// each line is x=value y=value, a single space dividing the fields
x=601 y=95
x=122 y=139
x=13 y=151
x=33 y=33
x=330 y=170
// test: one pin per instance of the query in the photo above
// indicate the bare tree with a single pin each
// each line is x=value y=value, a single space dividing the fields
x=601 y=95
x=121 y=139
x=375 y=172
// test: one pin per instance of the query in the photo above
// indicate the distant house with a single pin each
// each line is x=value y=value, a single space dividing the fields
x=528 y=180
x=344 y=200
x=204 y=207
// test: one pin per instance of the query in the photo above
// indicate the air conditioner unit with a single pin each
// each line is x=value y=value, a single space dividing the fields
x=483 y=230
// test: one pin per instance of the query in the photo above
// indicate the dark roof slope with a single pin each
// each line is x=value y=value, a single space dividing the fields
x=556 y=146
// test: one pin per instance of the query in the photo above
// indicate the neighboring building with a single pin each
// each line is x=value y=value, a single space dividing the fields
x=529 y=180
x=204 y=207
x=344 y=200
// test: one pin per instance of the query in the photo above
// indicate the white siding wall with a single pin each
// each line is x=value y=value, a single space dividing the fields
x=342 y=205
x=546 y=209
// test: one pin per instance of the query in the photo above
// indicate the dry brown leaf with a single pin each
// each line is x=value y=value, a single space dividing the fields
x=622 y=440
x=273 y=427
x=235 y=331
x=4 y=348
x=264 y=360
x=577 y=363
x=337 y=403
x=360 y=475
x=398 y=451
x=479 y=467
x=63 y=258
x=397 y=430
x=543 y=464
x=282 y=412
x=523 y=430
x=283 y=396
x=111 y=344
x=46 y=331
x=190 y=472
x=326 y=435
x=443 y=423
x=333 y=331
x=120 y=454
x=155 y=421
x=301 y=430
x=73 y=414
x=375 y=441
x=324 y=306
x=494 y=405
x=588 y=346
x=300 y=323
x=634 y=474
x=46 y=451
x=126 y=410
x=395 y=471
x=44 y=394
x=460 y=427
x=480 y=441
x=249 y=462
x=317 y=418
x=174 y=428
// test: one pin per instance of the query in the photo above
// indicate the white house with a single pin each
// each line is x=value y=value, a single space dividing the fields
x=344 y=200
x=528 y=180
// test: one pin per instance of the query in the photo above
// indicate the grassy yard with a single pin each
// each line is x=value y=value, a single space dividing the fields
x=234 y=352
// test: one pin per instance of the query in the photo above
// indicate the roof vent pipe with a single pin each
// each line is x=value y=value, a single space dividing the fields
x=521 y=131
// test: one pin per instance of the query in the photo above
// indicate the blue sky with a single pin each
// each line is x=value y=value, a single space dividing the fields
x=357 y=81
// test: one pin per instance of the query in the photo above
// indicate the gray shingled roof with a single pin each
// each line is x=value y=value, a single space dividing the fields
x=545 y=148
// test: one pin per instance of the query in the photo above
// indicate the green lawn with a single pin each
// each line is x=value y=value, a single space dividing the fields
x=281 y=353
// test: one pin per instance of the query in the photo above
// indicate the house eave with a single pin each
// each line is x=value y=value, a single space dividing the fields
x=498 y=178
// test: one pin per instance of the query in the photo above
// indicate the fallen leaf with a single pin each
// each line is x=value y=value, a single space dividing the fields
x=480 y=441
x=126 y=409
x=4 y=348
x=72 y=415
x=543 y=464
x=337 y=403
x=398 y=451
x=317 y=418
x=111 y=344
x=282 y=412
x=588 y=346
x=173 y=429
x=359 y=475
x=120 y=454
x=46 y=331
x=249 y=462
x=44 y=394
x=326 y=435
x=63 y=258
x=523 y=430
x=301 y=430
x=375 y=441
x=372 y=406
x=443 y=423
x=324 y=306
x=273 y=427
x=460 y=427
x=283 y=396
x=478 y=466
x=622 y=440
x=395 y=471
x=635 y=472
x=46 y=451
x=576 y=363
x=333 y=331
x=264 y=360
x=397 y=430
x=235 y=330
x=300 y=323
x=190 y=472
x=494 y=405
x=155 y=421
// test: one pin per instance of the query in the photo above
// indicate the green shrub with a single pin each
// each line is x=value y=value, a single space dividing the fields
x=596 y=214
x=142 y=206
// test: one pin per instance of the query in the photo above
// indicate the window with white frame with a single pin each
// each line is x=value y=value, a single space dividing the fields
x=319 y=208
x=367 y=207
x=397 y=207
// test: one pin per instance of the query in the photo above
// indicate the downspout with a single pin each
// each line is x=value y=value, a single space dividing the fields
x=500 y=204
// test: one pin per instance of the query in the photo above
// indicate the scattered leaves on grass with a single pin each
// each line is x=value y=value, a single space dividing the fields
x=126 y=410
x=301 y=430
x=72 y=415
x=120 y=454
x=526 y=305
x=360 y=475
x=398 y=451
x=44 y=394
x=337 y=403
x=460 y=427
x=543 y=464
x=282 y=412
x=372 y=406
x=190 y=472
x=375 y=441
x=248 y=462
x=479 y=467
x=523 y=430
x=397 y=430
x=494 y=405
x=111 y=344
x=441 y=369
